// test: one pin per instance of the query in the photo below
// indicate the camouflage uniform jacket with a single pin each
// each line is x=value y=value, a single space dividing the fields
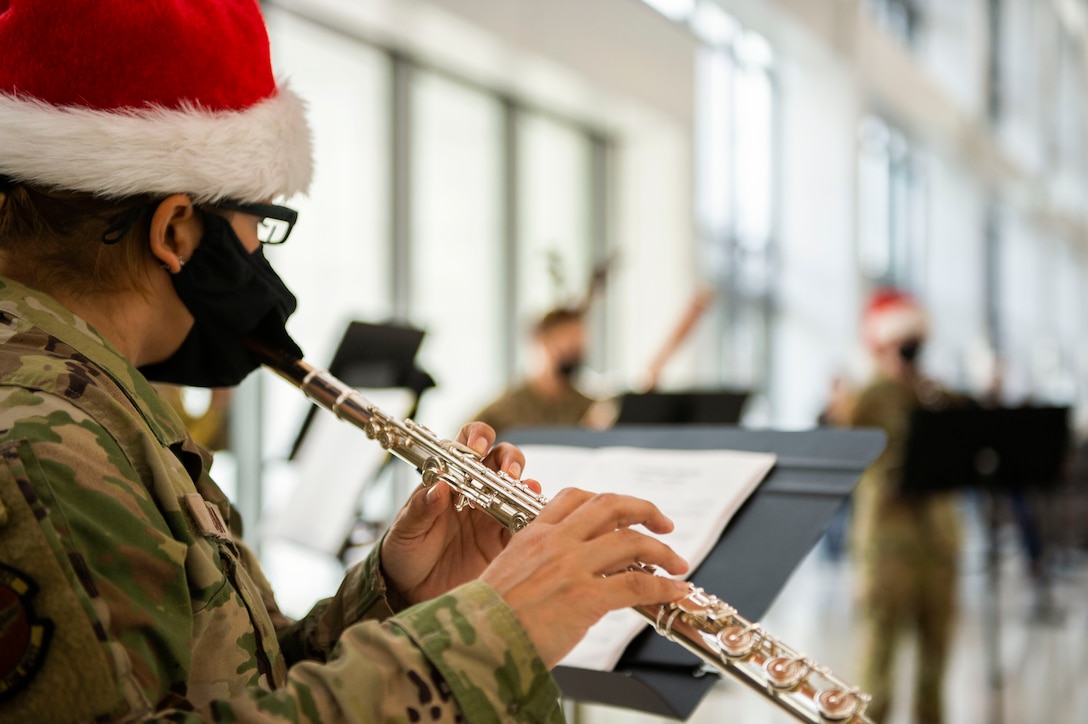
x=523 y=407
x=924 y=529
x=126 y=595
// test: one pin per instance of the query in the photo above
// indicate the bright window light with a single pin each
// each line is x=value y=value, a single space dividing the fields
x=678 y=10
x=713 y=25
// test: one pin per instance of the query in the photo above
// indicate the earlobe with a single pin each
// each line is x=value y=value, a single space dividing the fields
x=175 y=231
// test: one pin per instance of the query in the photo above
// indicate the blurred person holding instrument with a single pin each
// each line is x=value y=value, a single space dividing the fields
x=548 y=395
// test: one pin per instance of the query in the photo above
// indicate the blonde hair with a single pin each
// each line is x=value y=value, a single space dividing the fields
x=56 y=240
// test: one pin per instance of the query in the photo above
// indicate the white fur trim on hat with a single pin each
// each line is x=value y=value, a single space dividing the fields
x=896 y=324
x=254 y=154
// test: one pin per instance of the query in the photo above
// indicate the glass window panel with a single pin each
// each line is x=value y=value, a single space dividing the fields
x=745 y=347
x=678 y=10
x=874 y=194
x=1019 y=308
x=754 y=274
x=899 y=17
x=555 y=252
x=754 y=154
x=713 y=25
x=714 y=140
x=900 y=220
x=337 y=260
x=456 y=263
x=753 y=50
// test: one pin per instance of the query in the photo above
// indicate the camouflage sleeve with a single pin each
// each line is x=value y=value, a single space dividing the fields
x=455 y=634
x=463 y=657
x=130 y=615
x=363 y=596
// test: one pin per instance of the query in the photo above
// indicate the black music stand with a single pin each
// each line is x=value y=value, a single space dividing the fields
x=375 y=356
x=997 y=451
x=686 y=407
x=994 y=449
x=814 y=474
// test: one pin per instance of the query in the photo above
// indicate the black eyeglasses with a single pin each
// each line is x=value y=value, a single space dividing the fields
x=275 y=222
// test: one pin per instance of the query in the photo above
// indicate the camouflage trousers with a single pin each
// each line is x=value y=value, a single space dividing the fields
x=901 y=596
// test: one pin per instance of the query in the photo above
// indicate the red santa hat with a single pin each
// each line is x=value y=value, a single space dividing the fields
x=125 y=97
x=893 y=316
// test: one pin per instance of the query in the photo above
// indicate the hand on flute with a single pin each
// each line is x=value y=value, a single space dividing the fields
x=568 y=568
x=431 y=547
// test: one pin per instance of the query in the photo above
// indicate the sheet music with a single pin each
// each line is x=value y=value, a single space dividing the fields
x=700 y=490
x=330 y=471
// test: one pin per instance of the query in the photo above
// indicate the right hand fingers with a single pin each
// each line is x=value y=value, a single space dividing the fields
x=622 y=548
x=586 y=516
x=563 y=504
x=553 y=574
x=634 y=588
x=602 y=522
x=557 y=592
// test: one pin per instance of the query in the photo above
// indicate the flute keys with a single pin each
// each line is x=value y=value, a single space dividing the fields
x=517 y=522
x=837 y=704
x=456 y=447
x=737 y=641
x=434 y=470
x=783 y=673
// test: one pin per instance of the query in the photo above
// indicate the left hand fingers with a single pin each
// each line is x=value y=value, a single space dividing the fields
x=506 y=457
x=477 y=435
x=418 y=515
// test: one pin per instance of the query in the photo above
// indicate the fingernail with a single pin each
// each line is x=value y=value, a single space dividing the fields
x=479 y=445
x=430 y=496
x=514 y=471
x=682 y=585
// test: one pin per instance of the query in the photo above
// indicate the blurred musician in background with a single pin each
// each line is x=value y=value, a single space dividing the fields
x=548 y=396
x=906 y=546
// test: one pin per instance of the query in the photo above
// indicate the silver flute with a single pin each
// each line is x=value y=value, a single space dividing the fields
x=710 y=628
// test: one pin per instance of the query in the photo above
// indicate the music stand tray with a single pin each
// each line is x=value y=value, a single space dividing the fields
x=814 y=474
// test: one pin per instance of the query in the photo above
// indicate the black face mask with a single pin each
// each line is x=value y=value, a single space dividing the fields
x=568 y=367
x=909 y=350
x=232 y=295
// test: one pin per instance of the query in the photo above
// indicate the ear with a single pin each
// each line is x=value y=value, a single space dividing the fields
x=176 y=230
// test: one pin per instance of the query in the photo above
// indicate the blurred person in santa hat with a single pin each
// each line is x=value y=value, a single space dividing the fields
x=906 y=545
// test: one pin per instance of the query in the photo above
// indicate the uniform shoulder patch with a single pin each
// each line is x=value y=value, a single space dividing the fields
x=24 y=638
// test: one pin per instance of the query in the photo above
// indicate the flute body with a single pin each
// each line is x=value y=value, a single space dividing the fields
x=710 y=628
